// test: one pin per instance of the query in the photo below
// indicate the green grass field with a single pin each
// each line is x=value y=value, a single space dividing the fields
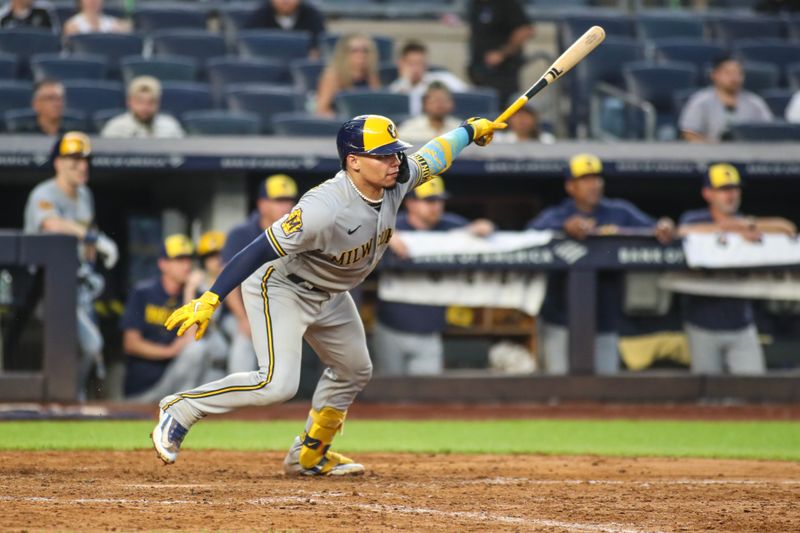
x=751 y=440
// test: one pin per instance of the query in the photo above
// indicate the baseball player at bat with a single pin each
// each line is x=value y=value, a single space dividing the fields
x=294 y=279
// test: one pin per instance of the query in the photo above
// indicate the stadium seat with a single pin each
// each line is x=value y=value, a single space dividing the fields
x=150 y=18
x=8 y=66
x=234 y=18
x=680 y=97
x=99 y=118
x=695 y=51
x=780 y=54
x=777 y=100
x=24 y=121
x=574 y=26
x=179 y=97
x=361 y=102
x=224 y=71
x=657 y=26
x=793 y=75
x=220 y=122
x=264 y=100
x=476 y=103
x=74 y=67
x=166 y=68
x=15 y=94
x=274 y=44
x=385 y=46
x=387 y=73
x=197 y=44
x=793 y=27
x=657 y=84
x=305 y=125
x=306 y=73
x=89 y=96
x=113 y=46
x=766 y=132
x=24 y=43
x=759 y=77
x=731 y=29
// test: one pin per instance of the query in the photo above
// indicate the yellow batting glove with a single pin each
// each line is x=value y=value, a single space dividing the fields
x=484 y=129
x=198 y=311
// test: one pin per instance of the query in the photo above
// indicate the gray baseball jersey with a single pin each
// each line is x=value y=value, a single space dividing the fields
x=48 y=200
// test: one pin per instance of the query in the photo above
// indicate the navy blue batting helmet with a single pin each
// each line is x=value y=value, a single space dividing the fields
x=369 y=134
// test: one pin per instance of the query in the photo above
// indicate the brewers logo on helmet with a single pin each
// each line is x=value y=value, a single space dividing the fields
x=369 y=135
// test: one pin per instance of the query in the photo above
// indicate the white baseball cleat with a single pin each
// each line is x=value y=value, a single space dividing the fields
x=167 y=437
x=332 y=464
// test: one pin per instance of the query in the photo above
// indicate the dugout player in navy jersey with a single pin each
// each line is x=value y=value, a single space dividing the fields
x=276 y=196
x=158 y=360
x=408 y=337
x=721 y=331
x=585 y=213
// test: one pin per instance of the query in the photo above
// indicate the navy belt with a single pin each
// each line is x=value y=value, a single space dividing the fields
x=297 y=280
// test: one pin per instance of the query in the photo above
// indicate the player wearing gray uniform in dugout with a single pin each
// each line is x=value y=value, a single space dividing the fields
x=295 y=280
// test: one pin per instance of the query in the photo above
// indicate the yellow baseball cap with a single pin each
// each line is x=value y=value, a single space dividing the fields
x=432 y=189
x=722 y=175
x=585 y=165
x=176 y=246
x=278 y=187
x=211 y=242
x=72 y=144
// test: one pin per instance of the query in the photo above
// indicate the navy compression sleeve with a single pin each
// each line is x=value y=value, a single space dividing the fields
x=243 y=264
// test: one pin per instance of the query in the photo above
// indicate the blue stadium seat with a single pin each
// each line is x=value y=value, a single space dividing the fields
x=657 y=84
x=777 y=100
x=305 y=125
x=224 y=71
x=99 y=118
x=166 y=68
x=150 y=18
x=8 y=66
x=766 y=132
x=759 y=77
x=680 y=97
x=197 y=44
x=701 y=54
x=793 y=75
x=362 y=102
x=24 y=43
x=274 y=44
x=385 y=46
x=234 y=18
x=730 y=29
x=657 y=26
x=113 y=46
x=780 y=54
x=264 y=100
x=89 y=96
x=306 y=73
x=179 y=97
x=219 y=122
x=793 y=27
x=476 y=103
x=15 y=94
x=574 y=26
x=387 y=73
x=74 y=67
x=24 y=121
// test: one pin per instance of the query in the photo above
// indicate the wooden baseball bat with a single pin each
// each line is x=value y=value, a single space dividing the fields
x=575 y=53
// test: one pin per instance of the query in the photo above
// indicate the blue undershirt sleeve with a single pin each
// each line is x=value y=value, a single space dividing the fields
x=247 y=261
x=438 y=154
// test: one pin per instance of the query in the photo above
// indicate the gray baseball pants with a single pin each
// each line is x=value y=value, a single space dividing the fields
x=714 y=352
x=281 y=314
x=553 y=346
x=399 y=353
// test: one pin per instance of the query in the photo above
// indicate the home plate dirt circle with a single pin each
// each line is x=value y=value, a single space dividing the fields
x=245 y=491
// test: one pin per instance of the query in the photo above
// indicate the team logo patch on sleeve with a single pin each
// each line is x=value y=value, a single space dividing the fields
x=45 y=205
x=293 y=222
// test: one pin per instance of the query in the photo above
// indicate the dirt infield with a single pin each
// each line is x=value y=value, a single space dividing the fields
x=227 y=491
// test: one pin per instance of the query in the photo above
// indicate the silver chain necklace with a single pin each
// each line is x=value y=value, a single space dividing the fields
x=368 y=200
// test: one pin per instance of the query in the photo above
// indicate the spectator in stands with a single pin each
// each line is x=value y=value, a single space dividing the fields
x=290 y=15
x=414 y=77
x=158 y=360
x=28 y=14
x=90 y=19
x=48 y=104
x=65 y=205
x=498 y=32
x=721 y=331
x=354 y=65
x=408 y=337
x=524 y=126
x=710 y=112
x=793 y=109
x=437 y=106
x=276 y=196
x=587 y=213
x=142 y=120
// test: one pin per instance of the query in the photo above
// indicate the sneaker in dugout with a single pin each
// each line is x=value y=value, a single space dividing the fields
x=167 y=437
x=332 y=464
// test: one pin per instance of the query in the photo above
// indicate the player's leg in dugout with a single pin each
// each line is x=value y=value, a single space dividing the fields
x=389 y=353
x=706 y=348
x=427 y=355
x=185 y=371
x=241 y=355
x=278 y=317
x=553 y=345
x=744 y=355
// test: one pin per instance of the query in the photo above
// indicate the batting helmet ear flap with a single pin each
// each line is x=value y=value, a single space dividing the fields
x=403 y=173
